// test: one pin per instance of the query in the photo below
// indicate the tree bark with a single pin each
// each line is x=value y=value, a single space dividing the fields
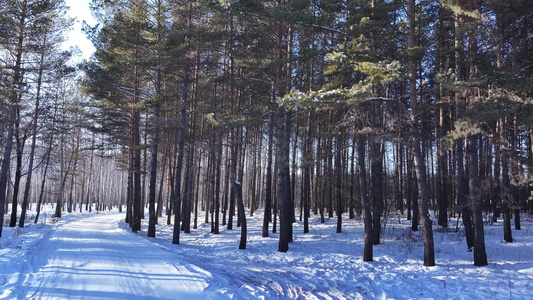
x=242 y=214
x=368 y=254
x=338 y=190
x=13 y=99
x=283 y=190
x=376 y=169
x=480 y=256
x=268 y=186
x=420 y=164
x=153 y=162
x=179 y=163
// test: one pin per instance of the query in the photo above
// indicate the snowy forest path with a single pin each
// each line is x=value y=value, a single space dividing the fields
x=93 y=258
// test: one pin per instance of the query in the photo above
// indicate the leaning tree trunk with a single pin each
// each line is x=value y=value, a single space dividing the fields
x=46 y=165
x=18 y=78
x=18 y=173
x=36 y=111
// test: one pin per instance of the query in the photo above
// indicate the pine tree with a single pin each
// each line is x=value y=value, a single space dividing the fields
x=116 y=78
x=158 y=37
x=23 y=25
x=420 y=164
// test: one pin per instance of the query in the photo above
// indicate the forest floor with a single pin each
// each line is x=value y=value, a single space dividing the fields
x=95 y=256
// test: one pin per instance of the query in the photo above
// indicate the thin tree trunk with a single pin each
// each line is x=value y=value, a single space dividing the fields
x=18 y=171
x=153 y=166
x=338 y=171
x=368 y=252
x=283 y=190
x=376 y=169
x=351 y=206
x=268 y=187
x=18 y=78
x=46 y=165
x=234 y=155
x=420 y=164
x=218 y=180
x=33 y=124
x=480 y=255
x=242 y=214
x=306 y=164
x=159 y=210
x=179 y=163
x=461 y=178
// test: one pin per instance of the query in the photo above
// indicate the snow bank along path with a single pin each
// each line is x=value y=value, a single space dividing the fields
x=98 y=257
x=93 y=259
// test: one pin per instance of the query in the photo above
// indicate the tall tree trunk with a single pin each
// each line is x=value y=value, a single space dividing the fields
x=89 y=181
x=14 y=107
x=496 y=195
x=398 y=188
x=427 y=228
x=33 y=125
x=459 y=107
x=306 y=164
x=283 y=190
x=170 y=185
x=153 y=160
x=242 y=214
x=187 y=193
x=480 y=256
x=338 y=189
x=441 y=184
x=368 y=254
x=46 y=165
x=137 y=197
x=331 y=175
x=268 y=186
x=64 y=172
x=218 y=183
x=18 y=170
x=506 y=185
x=70 y=203
x=476 y=200
x=226 y=187
x=352 y=204
x=159 y=210
x=136 y=139
x=179 y=163
x=234 y=157
x=420 y=164
x=376 y=169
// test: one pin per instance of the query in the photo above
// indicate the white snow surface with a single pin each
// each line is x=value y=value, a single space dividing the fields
x=96 y=256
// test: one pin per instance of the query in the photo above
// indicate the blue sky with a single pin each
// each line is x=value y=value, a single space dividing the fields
x=79 y=9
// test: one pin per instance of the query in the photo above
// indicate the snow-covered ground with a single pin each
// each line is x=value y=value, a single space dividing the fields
x=95 y=256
